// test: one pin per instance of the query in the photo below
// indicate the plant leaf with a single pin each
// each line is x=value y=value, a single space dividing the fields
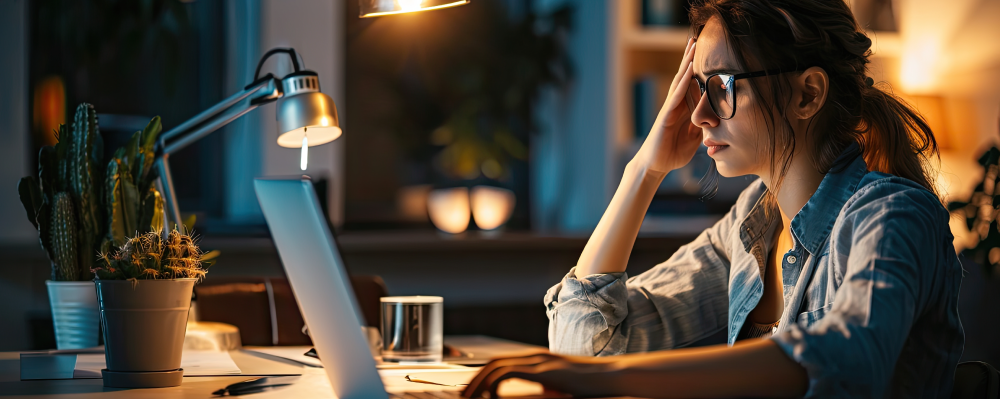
x=31 y=197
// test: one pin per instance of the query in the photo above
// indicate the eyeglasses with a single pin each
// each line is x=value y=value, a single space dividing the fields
x=722 y=91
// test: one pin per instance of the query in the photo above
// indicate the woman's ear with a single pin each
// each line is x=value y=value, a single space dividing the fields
x=809 y=91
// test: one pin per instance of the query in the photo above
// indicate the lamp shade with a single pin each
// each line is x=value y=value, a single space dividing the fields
x=378 y=8
x=305 y=112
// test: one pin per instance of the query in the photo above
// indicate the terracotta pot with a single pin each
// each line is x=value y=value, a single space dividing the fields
x=144 y=323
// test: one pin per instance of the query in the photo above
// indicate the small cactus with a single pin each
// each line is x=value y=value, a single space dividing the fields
x=150 y=256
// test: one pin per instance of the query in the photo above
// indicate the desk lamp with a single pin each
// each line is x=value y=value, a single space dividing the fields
x=306 y=116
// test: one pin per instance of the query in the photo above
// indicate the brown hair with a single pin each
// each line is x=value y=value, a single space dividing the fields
x=797 y=34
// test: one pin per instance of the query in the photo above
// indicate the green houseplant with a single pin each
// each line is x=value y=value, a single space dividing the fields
x=81 y=204
x=144 y=289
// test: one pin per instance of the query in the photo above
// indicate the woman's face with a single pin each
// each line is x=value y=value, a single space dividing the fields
x=745 y=139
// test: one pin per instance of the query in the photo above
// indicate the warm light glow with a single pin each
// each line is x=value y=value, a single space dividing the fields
x=320 y=135
x=324 y=121
x=449 y=209
x=401 y=10
x=49 y=109
x=491 y=206
x=410 y=5
x=920 y=66
x=305 y=153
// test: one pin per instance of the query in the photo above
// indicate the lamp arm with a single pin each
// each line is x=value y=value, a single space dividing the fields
x=218 y=108
x=171 y=211
x=212 y=125
x=201 y=125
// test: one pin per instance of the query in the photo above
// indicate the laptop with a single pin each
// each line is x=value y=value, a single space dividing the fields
x=322 y=287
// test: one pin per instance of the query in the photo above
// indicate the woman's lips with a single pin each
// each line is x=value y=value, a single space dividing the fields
x=714 y=146
x=712 y=149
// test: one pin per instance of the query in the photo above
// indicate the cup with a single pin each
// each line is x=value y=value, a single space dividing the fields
x=412 y=329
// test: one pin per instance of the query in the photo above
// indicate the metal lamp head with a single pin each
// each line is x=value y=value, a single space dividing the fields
x=305 y=112
x=378 y=8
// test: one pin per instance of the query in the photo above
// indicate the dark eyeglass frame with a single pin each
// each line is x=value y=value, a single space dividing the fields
x=730 y=87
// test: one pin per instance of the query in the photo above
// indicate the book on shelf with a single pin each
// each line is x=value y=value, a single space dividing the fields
x=663 y=13
x=646 y=104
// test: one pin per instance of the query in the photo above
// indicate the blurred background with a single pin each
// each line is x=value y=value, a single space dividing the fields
x=531 y=108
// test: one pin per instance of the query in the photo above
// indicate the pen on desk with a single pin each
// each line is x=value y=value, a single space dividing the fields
x=254 y=385
x=432 y=382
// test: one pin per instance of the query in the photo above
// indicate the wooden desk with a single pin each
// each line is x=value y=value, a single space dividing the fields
x=312 y=384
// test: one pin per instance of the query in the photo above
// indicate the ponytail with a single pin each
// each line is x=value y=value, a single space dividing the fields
x=895 y=139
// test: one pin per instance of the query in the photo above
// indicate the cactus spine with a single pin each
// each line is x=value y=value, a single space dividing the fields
x=65 y=266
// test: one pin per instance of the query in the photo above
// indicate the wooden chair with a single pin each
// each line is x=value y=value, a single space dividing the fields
x=265 y=310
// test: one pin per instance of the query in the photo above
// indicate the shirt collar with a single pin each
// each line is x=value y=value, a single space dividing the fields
x=813 y=223
x=758 y=223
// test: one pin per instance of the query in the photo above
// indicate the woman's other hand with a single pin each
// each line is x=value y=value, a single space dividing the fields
x=571 y=375
x=673 y=139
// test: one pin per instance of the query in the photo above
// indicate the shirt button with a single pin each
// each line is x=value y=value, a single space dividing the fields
x=791 y=259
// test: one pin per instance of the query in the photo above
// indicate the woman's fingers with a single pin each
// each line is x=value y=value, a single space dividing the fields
x=680 y=84
x=483 y=380
x=522 y=372
x=680 y=68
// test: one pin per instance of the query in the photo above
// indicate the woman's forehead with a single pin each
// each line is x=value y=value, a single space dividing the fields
x=713 y=54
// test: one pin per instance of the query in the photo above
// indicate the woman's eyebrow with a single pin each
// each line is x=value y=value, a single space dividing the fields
x=714 y=71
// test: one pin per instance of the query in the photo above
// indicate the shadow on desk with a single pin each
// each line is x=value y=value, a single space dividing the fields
x=194 y=387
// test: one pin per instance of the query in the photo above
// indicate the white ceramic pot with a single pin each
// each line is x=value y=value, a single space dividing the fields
x=75 y=314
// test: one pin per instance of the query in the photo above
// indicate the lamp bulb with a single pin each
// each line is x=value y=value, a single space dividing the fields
x=305 y=153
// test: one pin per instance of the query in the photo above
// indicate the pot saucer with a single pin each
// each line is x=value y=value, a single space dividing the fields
x=142 y=379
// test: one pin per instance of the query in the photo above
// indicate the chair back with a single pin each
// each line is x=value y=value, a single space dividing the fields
x=976 y=380
x=265 y=309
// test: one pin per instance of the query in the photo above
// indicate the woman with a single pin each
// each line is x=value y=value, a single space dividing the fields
x=833 y=275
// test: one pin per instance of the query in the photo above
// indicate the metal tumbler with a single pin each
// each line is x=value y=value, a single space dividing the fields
x=412 y=330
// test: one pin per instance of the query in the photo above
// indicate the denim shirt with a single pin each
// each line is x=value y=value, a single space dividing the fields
x=870 y=289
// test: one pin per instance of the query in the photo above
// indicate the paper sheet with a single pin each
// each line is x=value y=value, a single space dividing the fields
x=205 y=363
x=194 y=363
x=89 y=365
x=296 y=354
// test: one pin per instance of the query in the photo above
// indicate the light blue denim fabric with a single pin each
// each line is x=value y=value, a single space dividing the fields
x=870 y=289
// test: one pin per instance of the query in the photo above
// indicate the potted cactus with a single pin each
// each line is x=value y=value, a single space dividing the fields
x=81 y=207
x=144 y=289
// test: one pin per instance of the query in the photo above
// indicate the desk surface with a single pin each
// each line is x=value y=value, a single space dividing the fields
x=313 y=383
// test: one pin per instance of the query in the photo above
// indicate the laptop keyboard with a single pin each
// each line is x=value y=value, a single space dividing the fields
x=427 y=395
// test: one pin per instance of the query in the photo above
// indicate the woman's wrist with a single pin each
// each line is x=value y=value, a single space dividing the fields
x=639 y=171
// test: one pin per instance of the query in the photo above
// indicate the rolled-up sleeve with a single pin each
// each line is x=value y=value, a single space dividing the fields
x=674 y=304
x=898 y=263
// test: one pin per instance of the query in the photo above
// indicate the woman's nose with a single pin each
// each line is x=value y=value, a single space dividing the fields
x=703 y=116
